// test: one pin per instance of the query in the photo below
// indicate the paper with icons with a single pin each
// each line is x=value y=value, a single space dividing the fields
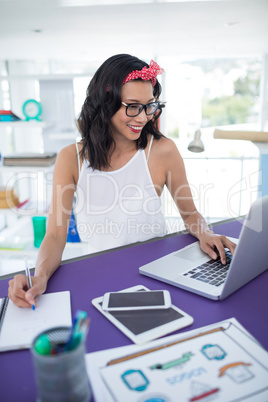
x=213 y=366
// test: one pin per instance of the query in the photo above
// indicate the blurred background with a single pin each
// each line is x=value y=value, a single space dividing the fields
x=215 y=56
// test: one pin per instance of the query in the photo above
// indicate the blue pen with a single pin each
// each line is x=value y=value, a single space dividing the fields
x=84 y=328
x=75 y=336
x=72 y=339
x=28 y=276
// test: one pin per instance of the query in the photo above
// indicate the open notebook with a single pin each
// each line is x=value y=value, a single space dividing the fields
x=19 y=326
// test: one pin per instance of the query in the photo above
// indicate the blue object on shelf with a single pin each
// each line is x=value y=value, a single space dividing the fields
x=73 y=236
x=8 y=115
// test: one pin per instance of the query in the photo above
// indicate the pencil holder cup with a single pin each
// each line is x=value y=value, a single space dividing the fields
x=39 y=228
x=60 y=376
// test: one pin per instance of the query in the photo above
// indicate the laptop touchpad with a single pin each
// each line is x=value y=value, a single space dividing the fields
x=191 y=254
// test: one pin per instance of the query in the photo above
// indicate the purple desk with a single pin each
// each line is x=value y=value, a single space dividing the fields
x=91 y=277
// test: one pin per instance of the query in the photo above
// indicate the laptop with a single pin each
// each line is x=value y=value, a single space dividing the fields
x=193 y=270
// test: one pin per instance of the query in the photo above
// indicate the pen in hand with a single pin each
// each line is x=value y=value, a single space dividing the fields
x=28 y=276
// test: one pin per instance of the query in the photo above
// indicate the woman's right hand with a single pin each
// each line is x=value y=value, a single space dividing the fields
x=19 y=293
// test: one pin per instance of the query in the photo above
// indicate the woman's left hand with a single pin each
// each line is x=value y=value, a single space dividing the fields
x=209 y=241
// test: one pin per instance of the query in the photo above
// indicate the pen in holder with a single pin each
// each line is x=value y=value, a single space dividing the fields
x=60 y=370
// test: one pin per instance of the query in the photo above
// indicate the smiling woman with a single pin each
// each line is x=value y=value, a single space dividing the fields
x=132 y=115
x=104 y=101
x=118 y=172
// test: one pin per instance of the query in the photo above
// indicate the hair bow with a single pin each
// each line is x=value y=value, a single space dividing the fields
x=146 y=73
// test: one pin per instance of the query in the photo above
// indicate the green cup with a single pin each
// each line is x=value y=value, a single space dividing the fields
x=39 y=228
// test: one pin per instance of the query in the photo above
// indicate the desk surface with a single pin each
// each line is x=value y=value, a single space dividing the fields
x=91 y=277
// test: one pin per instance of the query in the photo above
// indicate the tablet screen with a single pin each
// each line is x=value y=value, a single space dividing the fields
x=141 y=321
x=136 y=299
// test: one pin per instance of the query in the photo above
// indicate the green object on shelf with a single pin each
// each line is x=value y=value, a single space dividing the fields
x=10 y=246
x=39 y=227
x=32 y=109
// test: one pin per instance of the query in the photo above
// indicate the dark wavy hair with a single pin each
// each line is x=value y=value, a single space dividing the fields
x=103 y=100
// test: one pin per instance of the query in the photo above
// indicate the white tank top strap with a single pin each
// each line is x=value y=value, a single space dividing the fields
x=78 y=158
x=149 y=150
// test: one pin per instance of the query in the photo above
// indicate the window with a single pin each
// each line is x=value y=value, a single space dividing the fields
x=209 y=93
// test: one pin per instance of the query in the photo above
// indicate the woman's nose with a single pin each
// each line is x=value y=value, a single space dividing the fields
x=142 y=117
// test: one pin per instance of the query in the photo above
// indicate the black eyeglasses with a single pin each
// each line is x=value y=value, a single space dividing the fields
x=134 y=109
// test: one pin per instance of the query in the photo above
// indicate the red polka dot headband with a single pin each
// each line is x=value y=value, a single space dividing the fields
x=146 y=73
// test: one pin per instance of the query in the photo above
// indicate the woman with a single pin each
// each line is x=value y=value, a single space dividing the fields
x=118 y=172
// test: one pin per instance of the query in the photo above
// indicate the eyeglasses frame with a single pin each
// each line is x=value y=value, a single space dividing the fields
x=144 y=107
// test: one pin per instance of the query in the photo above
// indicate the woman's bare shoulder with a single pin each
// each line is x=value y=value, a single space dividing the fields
x=68 y=154
x=165 y=148
x=68 y=151
x=67 y=160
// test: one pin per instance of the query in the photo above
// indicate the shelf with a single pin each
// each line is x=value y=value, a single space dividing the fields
x=28 y=208
x=65 y=135
x=28 y=249
x=12 y=261
x=21 y=212
x=26 y=124
x=12 y=264
x=46 y=77
x=22 y=232
x=24 y=169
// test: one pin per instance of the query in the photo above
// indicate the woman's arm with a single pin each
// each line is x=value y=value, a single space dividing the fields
x=51 y=249
x=178 y=185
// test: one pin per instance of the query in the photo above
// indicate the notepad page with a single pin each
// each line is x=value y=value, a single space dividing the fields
x=21 y=325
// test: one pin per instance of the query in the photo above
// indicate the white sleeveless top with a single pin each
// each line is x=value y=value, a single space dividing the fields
x=118 y=207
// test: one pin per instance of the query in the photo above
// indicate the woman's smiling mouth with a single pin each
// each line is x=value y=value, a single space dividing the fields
x=135 y=129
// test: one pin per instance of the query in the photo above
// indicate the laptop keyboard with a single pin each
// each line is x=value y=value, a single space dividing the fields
x=212 y=272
